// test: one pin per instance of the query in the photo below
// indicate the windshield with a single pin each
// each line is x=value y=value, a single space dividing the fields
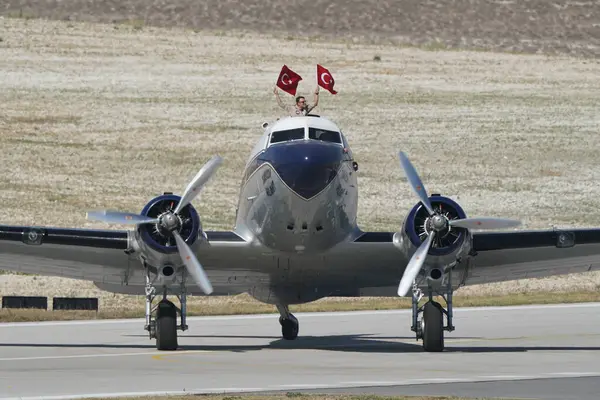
x=324 y=135
x=306 y=167
x=289 y=134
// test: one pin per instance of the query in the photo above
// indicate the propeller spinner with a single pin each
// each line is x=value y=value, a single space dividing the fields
x=437 y=222
x=171 y=222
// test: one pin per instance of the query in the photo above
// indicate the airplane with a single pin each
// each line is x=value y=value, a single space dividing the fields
x=296 y=239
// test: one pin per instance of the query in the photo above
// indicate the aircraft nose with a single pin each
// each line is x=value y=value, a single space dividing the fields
x=306 y=167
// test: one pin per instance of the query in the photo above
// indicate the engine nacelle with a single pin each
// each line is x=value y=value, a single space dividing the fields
x=448 y=245
x=157 y=244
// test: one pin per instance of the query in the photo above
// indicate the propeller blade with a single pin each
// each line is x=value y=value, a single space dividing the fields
x=195 y=186
x=415 y=181
x=117 y=217
x=192 y=264
x=484 y=223
x=414 y=266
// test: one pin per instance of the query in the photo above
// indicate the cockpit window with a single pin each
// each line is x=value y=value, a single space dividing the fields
x=289 y=134
x=324 y=135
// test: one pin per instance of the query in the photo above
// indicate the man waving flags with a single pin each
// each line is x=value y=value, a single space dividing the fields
x=288 y=80
x=324 y=79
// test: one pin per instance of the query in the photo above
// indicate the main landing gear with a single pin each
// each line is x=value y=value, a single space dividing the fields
x=161 y=319
x=430 y=328
x=289 y=323
x=163 y=325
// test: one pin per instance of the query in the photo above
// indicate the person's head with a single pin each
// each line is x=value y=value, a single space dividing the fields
x=300 y=102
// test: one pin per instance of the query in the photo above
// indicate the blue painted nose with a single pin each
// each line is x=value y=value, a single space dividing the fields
x=307 y=167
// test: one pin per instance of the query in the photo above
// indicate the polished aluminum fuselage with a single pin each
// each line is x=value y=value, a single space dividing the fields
x=275 y=215
x=299 y=196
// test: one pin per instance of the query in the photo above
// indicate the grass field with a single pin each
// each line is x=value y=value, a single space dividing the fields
x=533 y=26
x=303 y=397
x=117 y=307
x=110 y=115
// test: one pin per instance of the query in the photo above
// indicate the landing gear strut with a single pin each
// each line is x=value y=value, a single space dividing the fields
x=289 y=323
x=431 y=327
x=164 y=326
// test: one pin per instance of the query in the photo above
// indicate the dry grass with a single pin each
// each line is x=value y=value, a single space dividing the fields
x=122 y=306
x=242 y=304
x=107 y=116
x=298 y=395
x=560 y=26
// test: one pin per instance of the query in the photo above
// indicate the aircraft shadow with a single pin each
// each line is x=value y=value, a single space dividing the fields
x=344 y=343
x=348 y=343
x=276 y=337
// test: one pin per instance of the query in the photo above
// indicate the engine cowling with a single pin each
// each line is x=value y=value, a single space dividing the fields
x=448 y=245
x=167 y=229
x=158 y=238
x=435 y=234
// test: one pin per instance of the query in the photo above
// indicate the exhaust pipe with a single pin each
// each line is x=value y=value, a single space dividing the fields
x=166 y=273
x=435 y=275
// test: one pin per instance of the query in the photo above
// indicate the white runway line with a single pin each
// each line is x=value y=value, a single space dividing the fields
x=340 y=385
x=100 y=355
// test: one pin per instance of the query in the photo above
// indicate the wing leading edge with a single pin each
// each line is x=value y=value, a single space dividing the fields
x=506 y=256
x=102 y=255
x=89 y=254
x=97 y=255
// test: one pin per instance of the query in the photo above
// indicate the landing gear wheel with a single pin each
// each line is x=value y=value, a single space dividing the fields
x=289 y=327
x=433 y=327
x=166 y=326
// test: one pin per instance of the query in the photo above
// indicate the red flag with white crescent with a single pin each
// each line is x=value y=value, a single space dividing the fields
x=288 y=80
x=324 y=79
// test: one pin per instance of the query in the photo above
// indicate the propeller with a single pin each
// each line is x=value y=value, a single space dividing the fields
x=415 y=182
x=438 y=222
x=192 y=264
x=414 y=266
x=170 y=222
x=118 y=217
x=195 y=186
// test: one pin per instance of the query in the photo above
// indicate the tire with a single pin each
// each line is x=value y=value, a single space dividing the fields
x=166 y=326
x=289 y=328
x=433 y=327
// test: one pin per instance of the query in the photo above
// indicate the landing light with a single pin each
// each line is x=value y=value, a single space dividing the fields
x=565 y=239
x=33 y=236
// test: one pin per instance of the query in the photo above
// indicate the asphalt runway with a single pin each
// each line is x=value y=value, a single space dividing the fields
x=546 y=352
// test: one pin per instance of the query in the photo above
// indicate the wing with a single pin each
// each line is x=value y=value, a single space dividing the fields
x=108 y=257
x=505 y=256
x=372 y=266
x=96 y=255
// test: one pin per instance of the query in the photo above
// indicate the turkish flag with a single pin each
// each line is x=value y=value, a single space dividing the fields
x=324 y=79
x=288 y=80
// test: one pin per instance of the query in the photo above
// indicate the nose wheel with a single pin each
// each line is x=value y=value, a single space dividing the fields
x=289 y=327
x=289 y=323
